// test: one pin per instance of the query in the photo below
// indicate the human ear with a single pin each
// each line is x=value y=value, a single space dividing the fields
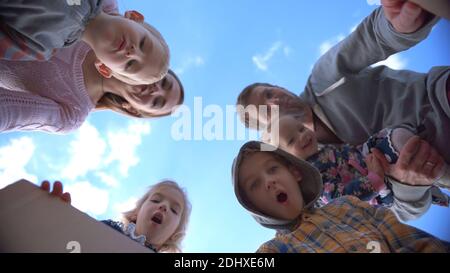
x=135 y=16
x=103 y=69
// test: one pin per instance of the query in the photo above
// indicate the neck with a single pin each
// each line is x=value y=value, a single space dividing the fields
x=92 y=79
x=323 y=133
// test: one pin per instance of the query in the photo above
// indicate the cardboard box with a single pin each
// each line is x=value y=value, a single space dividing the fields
x=31 y=220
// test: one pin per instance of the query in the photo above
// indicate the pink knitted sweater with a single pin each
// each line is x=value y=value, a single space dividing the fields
x=45 y=96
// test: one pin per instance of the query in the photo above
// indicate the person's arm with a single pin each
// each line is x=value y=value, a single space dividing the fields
x=411 y=177
x=410 y=202
x=374 y=40
x=29 y=112
x=36 y=29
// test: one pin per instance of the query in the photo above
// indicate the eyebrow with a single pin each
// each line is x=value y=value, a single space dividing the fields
x=175 y=203
x=251 y=176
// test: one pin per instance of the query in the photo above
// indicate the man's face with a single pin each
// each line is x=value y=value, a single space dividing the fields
x=268 y=96
x=271 y=187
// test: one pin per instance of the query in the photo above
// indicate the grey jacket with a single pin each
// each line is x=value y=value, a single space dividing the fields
x=356 y=100
x=47 y=25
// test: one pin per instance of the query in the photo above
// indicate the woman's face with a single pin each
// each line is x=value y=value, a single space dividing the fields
x=157 y=98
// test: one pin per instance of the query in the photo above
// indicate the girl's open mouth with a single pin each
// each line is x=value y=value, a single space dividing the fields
x=157 y=218
x=282 y=197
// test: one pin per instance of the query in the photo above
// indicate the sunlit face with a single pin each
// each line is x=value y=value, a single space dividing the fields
x=160 y=215
x=270 y=186
x=296 y=139
x=157 y=98
x=266 y=95
x=130 y=51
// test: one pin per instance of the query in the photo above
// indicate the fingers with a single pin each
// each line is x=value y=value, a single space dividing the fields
x=432 y=166
x=408 y=151
x=436 y=172
x=381 y=158
x=411 y=17
x=391 y=8
x=57 y=189
x=66 y=197
x=421 y=157
x=45 y=186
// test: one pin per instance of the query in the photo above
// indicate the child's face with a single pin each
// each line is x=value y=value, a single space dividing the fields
x=270 y=186
x=158 y=98
x=160 y=215
x=266 y=95
x=130 y=51
x=296 y=139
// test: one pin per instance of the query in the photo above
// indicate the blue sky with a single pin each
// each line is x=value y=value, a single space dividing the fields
x=217 y=48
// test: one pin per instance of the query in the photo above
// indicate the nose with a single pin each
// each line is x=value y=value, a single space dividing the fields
x=153 y=88
x=270 y=184
x=130 y=52
x=163 y=207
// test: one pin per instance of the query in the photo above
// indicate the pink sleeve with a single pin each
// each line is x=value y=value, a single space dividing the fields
x=20 y=111
x=110 y=6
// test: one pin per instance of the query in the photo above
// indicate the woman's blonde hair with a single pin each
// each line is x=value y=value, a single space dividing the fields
x=173 y=244
x=114 y=102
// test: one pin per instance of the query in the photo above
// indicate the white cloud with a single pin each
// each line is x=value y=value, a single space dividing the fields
x=108 y=180
x=86 y=152
x=124 y=206
x=394 y=62
x=123 y=144
x=261 y=61
x=326 y=45
x=13 y=160
x=88 y=198
x=373 y=2
x=188 y=63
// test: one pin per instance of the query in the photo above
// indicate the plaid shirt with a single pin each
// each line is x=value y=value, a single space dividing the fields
x=350 y=225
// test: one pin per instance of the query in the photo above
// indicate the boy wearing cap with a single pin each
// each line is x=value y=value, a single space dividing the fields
x=279 y=190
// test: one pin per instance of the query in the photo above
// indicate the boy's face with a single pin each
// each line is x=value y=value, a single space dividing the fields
x=133 y=54
x=270 y=186
x=160 y=215
x=296 y=139
x=157 y=98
